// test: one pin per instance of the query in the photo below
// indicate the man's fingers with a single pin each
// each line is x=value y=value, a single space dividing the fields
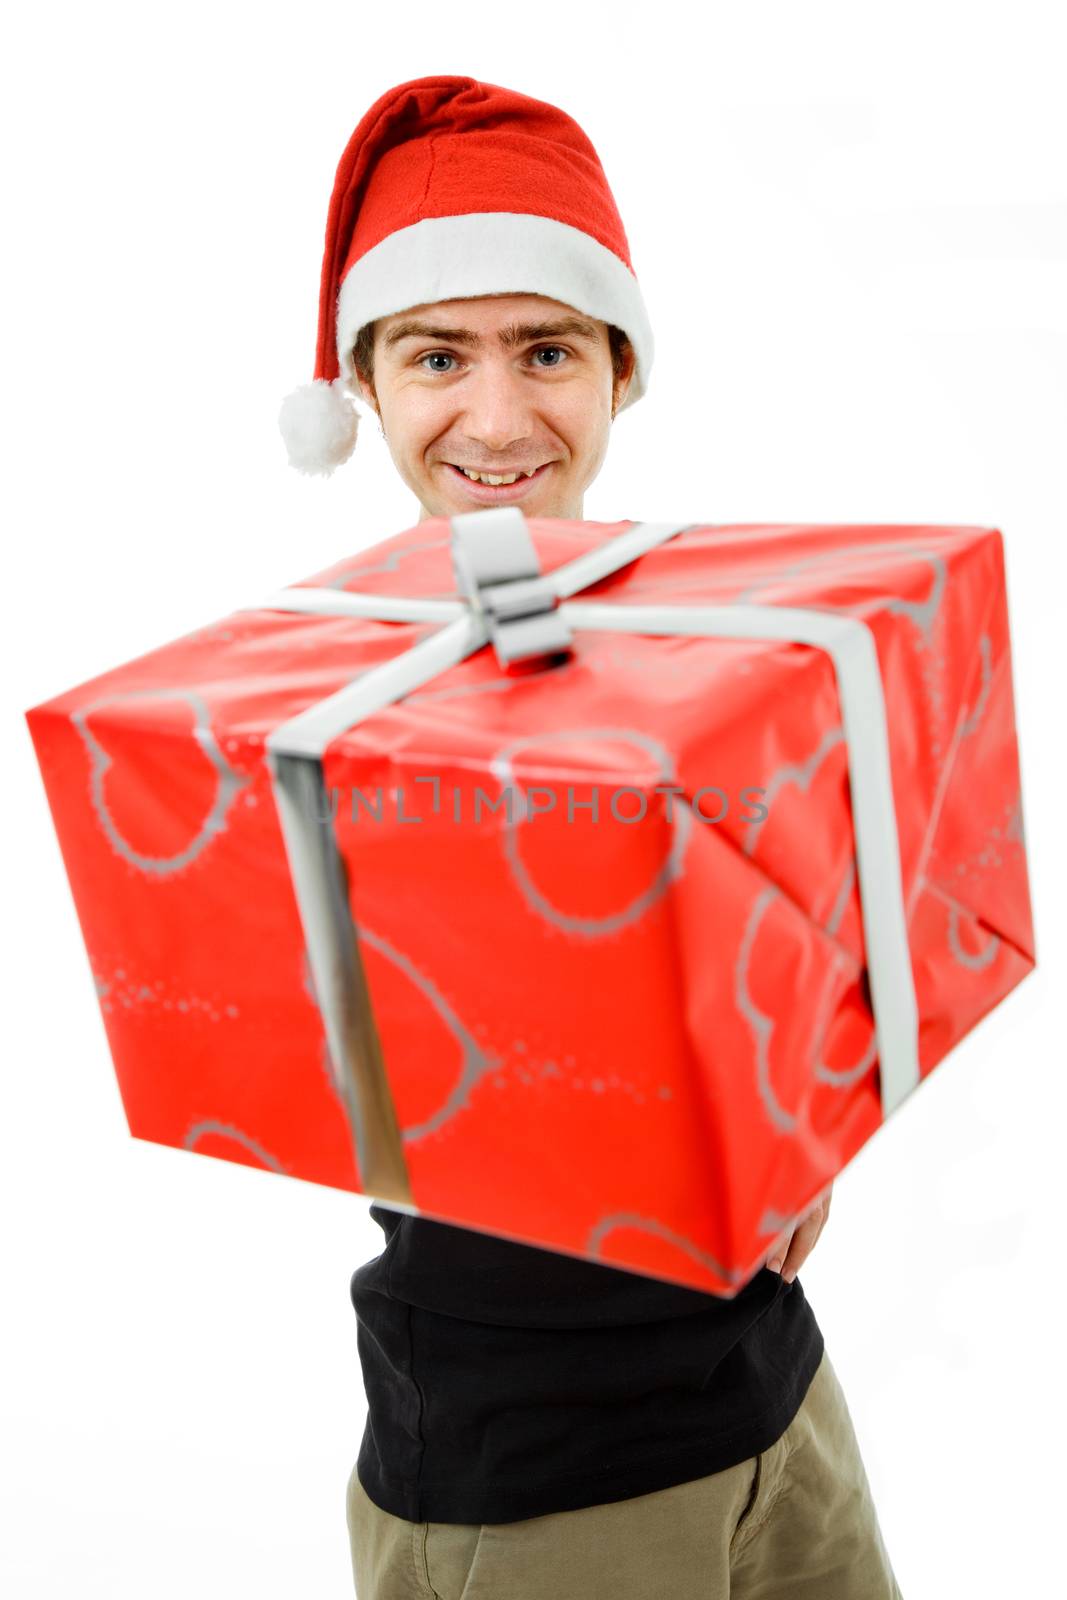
x=800 y=1249
x=779 y=1251
x=796 y=1244
x=790 y=1254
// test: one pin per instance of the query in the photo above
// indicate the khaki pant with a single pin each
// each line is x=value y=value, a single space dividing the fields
x=796 y=1522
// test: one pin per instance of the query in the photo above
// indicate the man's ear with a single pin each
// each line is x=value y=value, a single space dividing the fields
x=368 y=395
x=621 y=386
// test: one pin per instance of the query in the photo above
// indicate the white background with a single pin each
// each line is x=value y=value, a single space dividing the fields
x=850 y=226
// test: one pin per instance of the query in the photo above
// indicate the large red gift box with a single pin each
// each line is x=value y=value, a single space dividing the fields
x=603 y=887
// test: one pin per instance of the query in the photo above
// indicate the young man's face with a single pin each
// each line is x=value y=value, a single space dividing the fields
x=498 y=384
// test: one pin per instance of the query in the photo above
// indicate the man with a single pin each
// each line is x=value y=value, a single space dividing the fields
x=538 y=1424
x=548 y=385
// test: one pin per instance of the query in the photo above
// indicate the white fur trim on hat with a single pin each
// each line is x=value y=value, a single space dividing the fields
x=494 y=252
x=319 y=422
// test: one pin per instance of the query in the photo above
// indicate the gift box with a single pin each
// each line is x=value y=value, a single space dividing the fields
x=603 y=887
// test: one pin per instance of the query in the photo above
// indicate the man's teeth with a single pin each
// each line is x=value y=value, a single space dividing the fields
x=488 y=477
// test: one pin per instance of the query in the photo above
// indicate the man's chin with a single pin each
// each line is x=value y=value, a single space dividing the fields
x=448 y=499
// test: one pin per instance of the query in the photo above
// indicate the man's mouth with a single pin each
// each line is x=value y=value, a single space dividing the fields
x=516 y=485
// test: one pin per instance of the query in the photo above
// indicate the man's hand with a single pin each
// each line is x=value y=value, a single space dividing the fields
x=793 y=1249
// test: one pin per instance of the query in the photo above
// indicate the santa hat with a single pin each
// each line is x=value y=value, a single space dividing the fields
x=450 y=188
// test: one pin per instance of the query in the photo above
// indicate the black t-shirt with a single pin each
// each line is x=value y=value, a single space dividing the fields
x=505 y=1381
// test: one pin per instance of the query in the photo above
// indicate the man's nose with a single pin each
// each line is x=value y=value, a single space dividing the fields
x=498 y=409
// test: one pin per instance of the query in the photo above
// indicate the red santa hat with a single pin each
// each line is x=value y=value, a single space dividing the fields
x=450 y=188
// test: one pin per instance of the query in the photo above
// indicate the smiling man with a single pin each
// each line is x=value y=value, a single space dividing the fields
x=502 y=400
x=540 y=1425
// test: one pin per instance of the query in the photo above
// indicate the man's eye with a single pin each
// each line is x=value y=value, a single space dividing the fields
x=437 y=355
x=554 y=350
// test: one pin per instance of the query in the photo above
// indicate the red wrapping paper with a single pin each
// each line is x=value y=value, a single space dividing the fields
x=647 y=1043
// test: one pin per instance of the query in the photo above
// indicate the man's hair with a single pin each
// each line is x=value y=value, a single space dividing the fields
x=363 y=352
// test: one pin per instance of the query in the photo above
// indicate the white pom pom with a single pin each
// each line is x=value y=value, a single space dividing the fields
x=319 y=422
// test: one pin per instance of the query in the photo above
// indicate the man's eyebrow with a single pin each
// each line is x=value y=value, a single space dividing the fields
x=514 y=334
